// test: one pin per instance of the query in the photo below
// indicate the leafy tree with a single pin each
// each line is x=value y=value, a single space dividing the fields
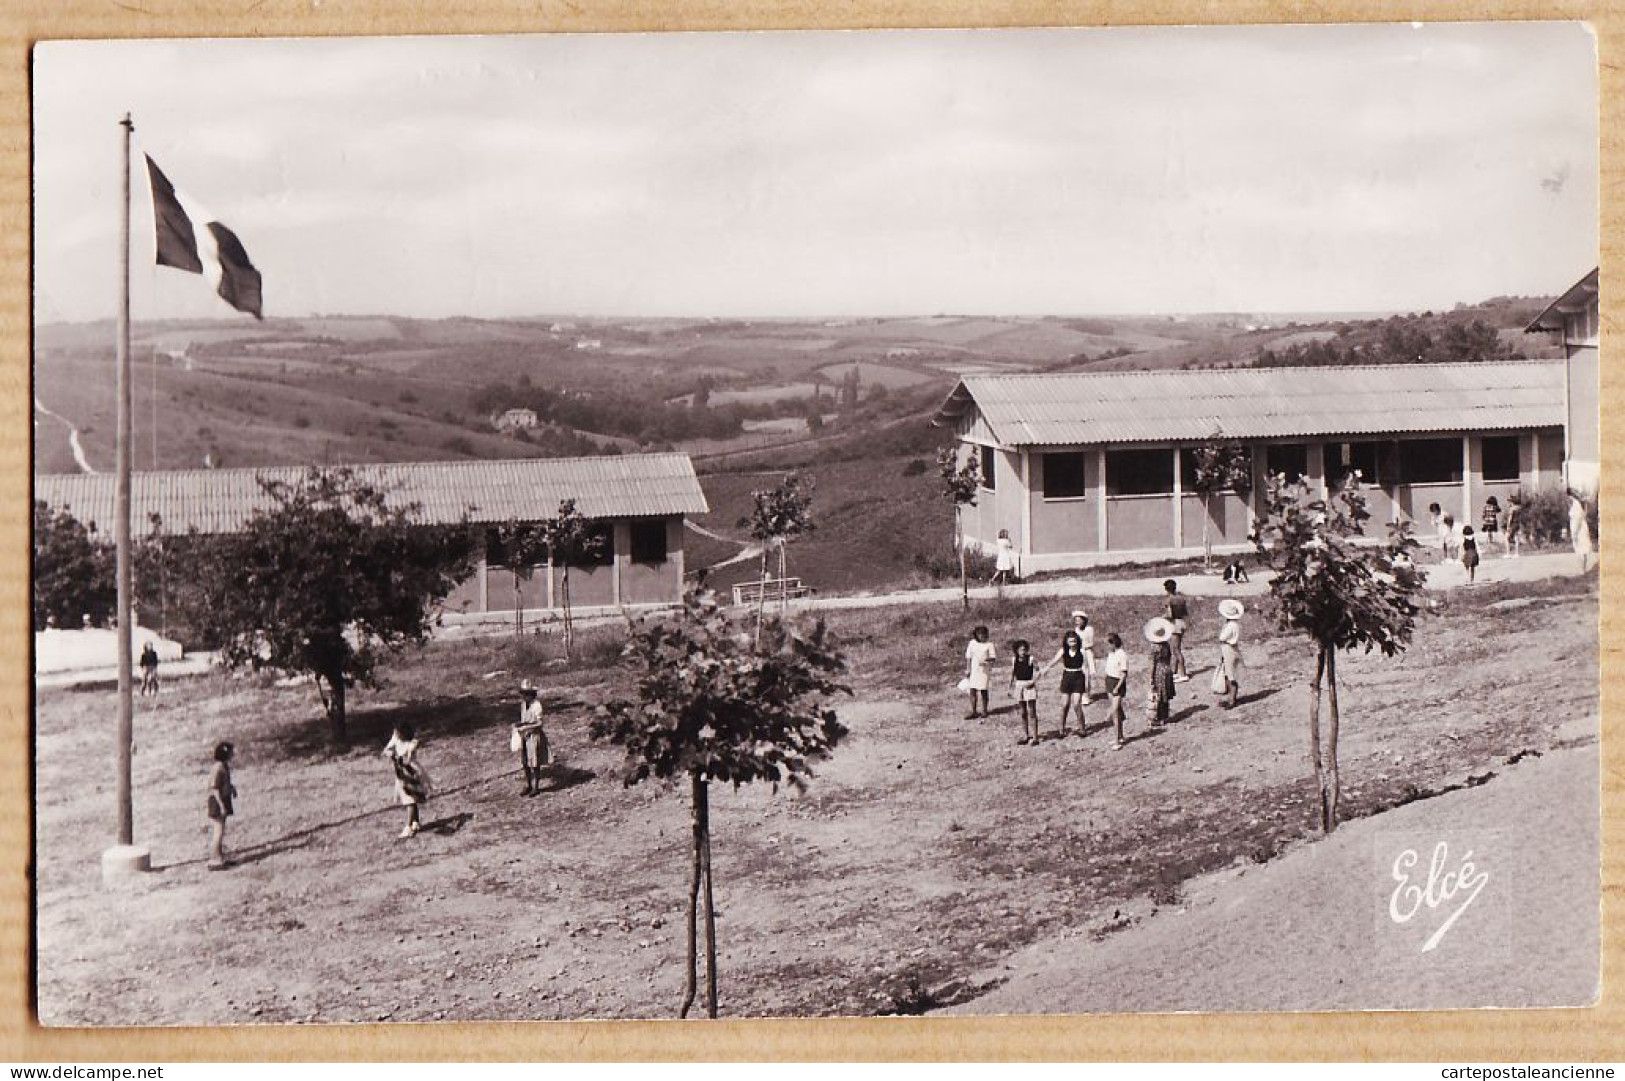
x=960 y=483
x=324 y=581
x=73 y=571
x=574 y=540
x=1221 y=465
x=778 y=516
x=1339 y=593
x=713 y=708
x=523 y=547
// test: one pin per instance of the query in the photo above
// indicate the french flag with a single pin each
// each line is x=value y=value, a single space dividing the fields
x=213 y=250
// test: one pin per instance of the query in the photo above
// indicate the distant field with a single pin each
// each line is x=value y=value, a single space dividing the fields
x=885 y=374
x=774 y=393
x=352 y=329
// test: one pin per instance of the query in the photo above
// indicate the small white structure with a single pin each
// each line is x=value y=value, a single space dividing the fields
x=513 y=420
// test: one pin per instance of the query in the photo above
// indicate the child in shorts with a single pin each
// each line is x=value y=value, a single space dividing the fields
x=1024 y=685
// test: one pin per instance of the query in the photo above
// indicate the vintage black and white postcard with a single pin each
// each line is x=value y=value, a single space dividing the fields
x=814 y=524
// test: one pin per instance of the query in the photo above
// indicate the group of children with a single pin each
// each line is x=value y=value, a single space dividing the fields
x=1080 y=669
x=1459 y=544
x=527 y=739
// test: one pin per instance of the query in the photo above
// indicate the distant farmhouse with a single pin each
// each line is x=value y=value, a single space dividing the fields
x=1088 y=468
x=1577 y=316
x=638 y=502
x=514 y=420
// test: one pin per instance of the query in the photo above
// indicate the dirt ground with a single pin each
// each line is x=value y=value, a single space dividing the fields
x=926 y=851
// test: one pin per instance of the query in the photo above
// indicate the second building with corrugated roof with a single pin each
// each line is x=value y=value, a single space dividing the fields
x=1083 y=469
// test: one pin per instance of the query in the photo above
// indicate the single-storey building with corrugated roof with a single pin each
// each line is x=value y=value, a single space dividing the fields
x=638 y=502
x=1577 y=315
x=1088 y=468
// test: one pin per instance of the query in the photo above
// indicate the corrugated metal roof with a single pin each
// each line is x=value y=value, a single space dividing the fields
x=222 y=500
x=1577 y=296
x=1261 y=403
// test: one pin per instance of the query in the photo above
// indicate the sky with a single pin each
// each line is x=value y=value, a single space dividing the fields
x=1074 y=171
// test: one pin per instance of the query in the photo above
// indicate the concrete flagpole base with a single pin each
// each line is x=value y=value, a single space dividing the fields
x=122 y=862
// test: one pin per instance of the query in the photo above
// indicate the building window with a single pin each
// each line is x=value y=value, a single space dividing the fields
x=1345 y=458
x=1065 y=475
x=649 y=541
x=496 y=553
x=1501 y=458
x=1187 y=469
x=605 y=554
x=989 y=478
x=1291 y=459
x=1139 y=472
x=1430 y=461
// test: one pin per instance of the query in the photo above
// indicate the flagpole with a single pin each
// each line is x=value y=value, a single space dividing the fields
x=125 y=858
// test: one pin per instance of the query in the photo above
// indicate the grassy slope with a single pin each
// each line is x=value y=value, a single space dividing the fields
x=927 y=848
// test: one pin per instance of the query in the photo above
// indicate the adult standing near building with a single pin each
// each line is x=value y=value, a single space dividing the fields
x=1230 y=650
x=529 y=739
x=1176 y=612
x=1579 y=529
x=1004 y=565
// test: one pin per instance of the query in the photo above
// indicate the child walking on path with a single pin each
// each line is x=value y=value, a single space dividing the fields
x=1024 y=685
x=528 y=739
x=1117 y=684
x=411 y=779
x=979 y=658
x=1074 y=679
x=221 y=795
x=1469 y=553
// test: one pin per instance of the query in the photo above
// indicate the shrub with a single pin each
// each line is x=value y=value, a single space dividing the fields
x=301 y=421
x=1544 y=517
x=73 y=571
x=943 y=564
x=915 y=467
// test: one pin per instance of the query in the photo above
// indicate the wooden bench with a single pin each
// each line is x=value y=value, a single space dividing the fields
x=769 y=589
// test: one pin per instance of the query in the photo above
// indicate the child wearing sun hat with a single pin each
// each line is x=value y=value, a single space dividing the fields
x=1231 y=611
x=1160 y=633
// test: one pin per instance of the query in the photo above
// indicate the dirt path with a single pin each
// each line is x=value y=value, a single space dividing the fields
x=73 y=437
x=1441 y=577
x=1314 y=930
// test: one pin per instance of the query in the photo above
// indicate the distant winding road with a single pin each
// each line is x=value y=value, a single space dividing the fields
x=73 y=437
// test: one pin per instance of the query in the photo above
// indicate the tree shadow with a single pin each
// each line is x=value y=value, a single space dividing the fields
x=560 y=778
x=369 y=728
x=446 y=827
x=269 y=849
x=1256 y=696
